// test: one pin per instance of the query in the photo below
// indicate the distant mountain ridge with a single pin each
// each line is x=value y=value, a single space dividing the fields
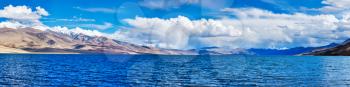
x=290 y=51
x=253 y=51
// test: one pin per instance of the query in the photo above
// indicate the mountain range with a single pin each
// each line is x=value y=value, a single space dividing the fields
x=290 y=51
x=28 y=40
x=254 y=51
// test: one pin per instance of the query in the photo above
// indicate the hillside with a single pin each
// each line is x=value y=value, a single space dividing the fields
x=11 y=50
x=340 y=50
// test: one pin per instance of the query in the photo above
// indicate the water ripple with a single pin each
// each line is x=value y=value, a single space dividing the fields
x=151 y=70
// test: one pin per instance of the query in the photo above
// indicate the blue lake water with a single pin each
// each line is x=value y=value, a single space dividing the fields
x=152 y=70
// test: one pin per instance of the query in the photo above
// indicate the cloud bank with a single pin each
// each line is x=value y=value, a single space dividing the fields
x=242 y=28
x=251 y=28
x=177 y=32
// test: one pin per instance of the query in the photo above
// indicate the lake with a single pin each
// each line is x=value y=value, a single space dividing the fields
x=154 y=70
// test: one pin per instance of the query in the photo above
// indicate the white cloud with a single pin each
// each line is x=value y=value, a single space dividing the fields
x=103 y=10
x=11 y=24
x=77 y=30
x=41 y=11
x=335 y=6
x=23 y=14
x=103 y=26
x=287 y=30
x=24 y=17
x=252 y=28
x=177 y=32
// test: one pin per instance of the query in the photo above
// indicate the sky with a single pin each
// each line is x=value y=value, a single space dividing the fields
x=189 y=24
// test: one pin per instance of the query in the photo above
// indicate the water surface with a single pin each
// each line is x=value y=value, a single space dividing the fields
x=153 y=70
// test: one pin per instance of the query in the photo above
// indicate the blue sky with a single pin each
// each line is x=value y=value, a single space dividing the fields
x=187 y=24
x=122 y=9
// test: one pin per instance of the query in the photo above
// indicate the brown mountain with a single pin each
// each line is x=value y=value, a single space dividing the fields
x=340 y=50
x=37 y=41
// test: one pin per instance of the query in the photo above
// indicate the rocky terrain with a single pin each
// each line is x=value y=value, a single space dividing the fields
x=28 y=40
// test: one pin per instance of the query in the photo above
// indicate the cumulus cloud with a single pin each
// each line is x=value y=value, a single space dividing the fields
x=287 y=30
x=176 y=33
x=251 y=28
x=22 y=17
x=23 y=14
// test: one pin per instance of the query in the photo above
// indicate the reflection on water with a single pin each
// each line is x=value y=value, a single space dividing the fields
x=152 y=70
